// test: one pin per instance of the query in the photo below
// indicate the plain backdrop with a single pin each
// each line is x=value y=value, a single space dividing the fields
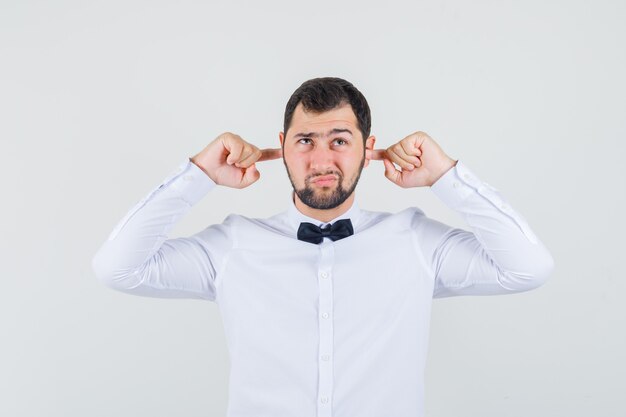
x=101 y=100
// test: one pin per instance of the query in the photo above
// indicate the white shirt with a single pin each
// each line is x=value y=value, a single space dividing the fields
x=336 y=329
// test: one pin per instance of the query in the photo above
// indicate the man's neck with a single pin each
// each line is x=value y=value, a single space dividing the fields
x=323 y=215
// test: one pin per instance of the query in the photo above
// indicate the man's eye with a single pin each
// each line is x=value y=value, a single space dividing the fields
x=304 y=139
x=341 y=141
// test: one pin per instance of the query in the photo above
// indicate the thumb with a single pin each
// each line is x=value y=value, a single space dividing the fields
x=391 y=172
x=250 y=176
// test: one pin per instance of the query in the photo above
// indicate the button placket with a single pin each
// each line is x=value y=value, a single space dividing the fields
x=325 y=320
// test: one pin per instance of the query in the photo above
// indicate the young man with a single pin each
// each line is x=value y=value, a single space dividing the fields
x=325 y=306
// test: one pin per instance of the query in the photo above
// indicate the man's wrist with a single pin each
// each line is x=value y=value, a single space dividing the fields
x=450 y=164
x=194 y=161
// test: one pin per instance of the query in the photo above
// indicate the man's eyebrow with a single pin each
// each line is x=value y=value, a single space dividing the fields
x=314 y=135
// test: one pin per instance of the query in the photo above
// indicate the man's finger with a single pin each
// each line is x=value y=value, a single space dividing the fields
x=250 y=175
x=235 y=148
x=250 y=159
x=268 y=154
x=394 y=157
x=400 y=150
x=375 y=154
x=410 y=147
x=391 y=172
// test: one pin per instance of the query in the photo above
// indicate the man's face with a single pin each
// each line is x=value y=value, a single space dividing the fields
x=324 y=155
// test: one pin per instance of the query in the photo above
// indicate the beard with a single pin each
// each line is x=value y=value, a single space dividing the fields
x=322 y=199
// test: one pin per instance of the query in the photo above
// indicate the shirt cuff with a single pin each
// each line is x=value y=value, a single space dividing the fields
x=190 y=182
x=456 y=185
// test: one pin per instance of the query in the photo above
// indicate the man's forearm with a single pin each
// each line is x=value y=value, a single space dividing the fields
x=145 y=227
x=501 y=254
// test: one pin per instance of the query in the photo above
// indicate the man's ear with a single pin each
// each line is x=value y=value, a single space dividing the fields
x=369 y=144
x=281 y=138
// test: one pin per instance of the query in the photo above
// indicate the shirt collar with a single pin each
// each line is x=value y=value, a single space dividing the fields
x=295 y=216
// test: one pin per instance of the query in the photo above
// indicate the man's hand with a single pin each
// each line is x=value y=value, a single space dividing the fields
x=420 y=158
x=230 y=161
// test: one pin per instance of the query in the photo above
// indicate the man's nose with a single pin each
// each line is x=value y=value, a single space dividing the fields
x=322 y=159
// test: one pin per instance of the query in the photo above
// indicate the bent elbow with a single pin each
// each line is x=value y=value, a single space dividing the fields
x=541 y=268
x=99 y=267
x=544 y=269
x=535 y=274
x=110 y=276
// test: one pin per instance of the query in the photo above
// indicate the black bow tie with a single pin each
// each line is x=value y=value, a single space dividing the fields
x=315 y=234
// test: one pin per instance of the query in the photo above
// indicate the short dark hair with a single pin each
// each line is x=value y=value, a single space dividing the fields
x=326 y=93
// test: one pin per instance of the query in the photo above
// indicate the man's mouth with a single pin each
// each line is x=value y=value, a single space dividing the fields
x=324 y=180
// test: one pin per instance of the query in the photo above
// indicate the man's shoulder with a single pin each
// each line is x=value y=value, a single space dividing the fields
x=405 y=217
x=240 y=222
x=409 y=211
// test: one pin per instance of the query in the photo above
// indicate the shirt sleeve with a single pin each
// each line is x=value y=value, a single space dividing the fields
x=500 y=254
x=138 y=258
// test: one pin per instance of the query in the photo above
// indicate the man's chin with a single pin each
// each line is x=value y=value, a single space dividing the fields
x=322 y=205
x=325 y=189
x=323 y=200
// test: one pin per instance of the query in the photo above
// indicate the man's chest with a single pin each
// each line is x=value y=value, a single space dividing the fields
x=286 y=276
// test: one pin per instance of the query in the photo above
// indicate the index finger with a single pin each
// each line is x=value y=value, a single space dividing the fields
x=268 y=154
x=377 y=154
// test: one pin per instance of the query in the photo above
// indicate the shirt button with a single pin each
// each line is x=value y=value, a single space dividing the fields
x=324 y=274
x=325 y=357
x=456 y=184
x=324 y=400
x=466 y=176
x=325 y=315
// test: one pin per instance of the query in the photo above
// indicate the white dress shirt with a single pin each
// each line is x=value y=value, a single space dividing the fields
x=336 y=329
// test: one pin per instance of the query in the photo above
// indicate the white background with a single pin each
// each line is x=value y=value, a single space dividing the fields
x=100 y=100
